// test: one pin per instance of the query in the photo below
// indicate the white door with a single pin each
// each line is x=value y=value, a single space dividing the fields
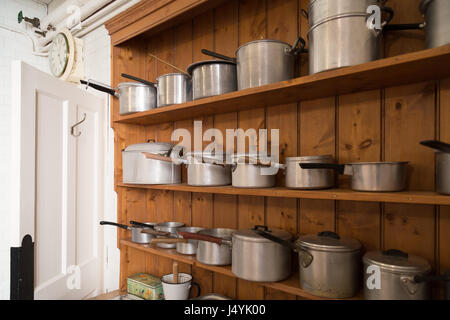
x=58 y=182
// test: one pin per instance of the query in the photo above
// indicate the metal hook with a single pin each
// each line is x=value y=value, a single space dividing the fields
x=72 y=129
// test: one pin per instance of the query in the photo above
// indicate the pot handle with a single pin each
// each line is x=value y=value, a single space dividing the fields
x=395 y=253
x=157 y=157
x=195 y=284
x=436 y=145
x=298 y=47
x=409 y=284
x=156 y=233
x=329 y=234
x=338 y=167
x=390 y=15
x=427 y=278
x=306 y=258
x=140 y=224
x=100 y=88
x=123 y=226
x=148 y=83
x=201 y=237
x=218 y=55
x=168 y=240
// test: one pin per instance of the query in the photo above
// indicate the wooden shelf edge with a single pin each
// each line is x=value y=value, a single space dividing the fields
x=290 y=285
x=424 y=65
x=408 y=197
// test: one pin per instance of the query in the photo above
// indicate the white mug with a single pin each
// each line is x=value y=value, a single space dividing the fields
x=180 y=290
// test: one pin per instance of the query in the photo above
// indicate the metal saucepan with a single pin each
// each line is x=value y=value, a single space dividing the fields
x=212 y=77
x=247 y=172
x=214 y=245
x=442 y=164
x=174 y=88
x=370 y=176
x=331 y=24
x=141 y=164
x=333 y=267
x=437 y=28
x=133 y=96
x=395 y=275
x=143 y=233
x=189 y=247
x=298 y=178
x=262 y=62
x=170 y=227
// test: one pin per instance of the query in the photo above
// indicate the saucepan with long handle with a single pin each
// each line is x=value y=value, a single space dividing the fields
x=141 y=233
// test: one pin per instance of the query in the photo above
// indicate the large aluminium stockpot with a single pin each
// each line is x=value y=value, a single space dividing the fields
x=138 y=169
x=298 y=178
x=390 y=275
x=335 y=268
x=212 y=77
x=256 y=258
x=339 y=35
x=437 y=27
x=262 y=62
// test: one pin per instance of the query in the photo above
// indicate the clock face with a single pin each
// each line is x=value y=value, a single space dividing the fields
x=59 y=54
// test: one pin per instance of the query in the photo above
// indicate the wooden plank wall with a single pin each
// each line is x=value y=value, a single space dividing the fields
x=368 y=126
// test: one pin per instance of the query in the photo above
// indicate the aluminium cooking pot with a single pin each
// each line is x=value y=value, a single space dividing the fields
x=370 y=176
x=212 y=78
x=191 y=246
x=437 y=23
x=395 y=275
x=334 y=269
x=214 y=245
x=133 y=96
x=250 y=171
x=137 y=231
x=207 y=169
x=141 y=164
x=442 y=164
x=298 y=178
x=266 y=61
x=174 y=88
x=331 y=22
x=256 y=258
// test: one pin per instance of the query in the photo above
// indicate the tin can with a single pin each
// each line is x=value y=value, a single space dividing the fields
x=145 y=286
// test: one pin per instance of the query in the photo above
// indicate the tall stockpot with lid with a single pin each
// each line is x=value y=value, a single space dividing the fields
x=437 y=22
x=395 y=275
x=339 y=35
x=335 y=268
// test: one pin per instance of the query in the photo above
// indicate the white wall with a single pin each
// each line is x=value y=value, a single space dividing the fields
x=13 y=46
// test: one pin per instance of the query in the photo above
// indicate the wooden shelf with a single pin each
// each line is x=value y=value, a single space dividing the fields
x=290 y=285
x=400 y=70
x=412 y=197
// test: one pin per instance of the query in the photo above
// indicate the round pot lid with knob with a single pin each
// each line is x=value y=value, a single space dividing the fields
x=397 y=261
x=328 y=241
x=151 y=147
x=252 y=236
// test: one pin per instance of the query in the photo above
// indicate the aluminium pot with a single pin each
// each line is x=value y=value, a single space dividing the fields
x=212 y=78
x=392 y=275
x=139 y=169
x=214 y=245
x=442 y=164
x=298 y=178
x=174 y=88
x=437 y=27
x=256 y=258
x=190 y=247
x=335 y=268
x=206 y=169
x=249 y=172
x=172 y=228
x=262 y=62
x=137 y=236
x=133 y=96
x=370 y=176
x=331 y=22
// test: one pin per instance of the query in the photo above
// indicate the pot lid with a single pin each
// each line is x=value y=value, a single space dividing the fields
x=194 y=65
x=397 y=261
x=324 y=158
x=329 y=241
x=251 y=235
x=150 y=147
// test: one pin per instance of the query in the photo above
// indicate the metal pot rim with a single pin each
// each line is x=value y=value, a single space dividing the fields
x=380 y=162
x=132 y=84
x=212 y=232
x=251 y=236
x=170 y=224
x=416 y=265
x=194 y=65
x=309 y=158
x=348 y=244
x=424 y=5
x=263 y=40
x=335 y=17
x=173 y=74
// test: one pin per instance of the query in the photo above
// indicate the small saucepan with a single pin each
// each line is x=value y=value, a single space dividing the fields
x=370 y=176
x=141 y=233
x=442 y=164
x=188 y=246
